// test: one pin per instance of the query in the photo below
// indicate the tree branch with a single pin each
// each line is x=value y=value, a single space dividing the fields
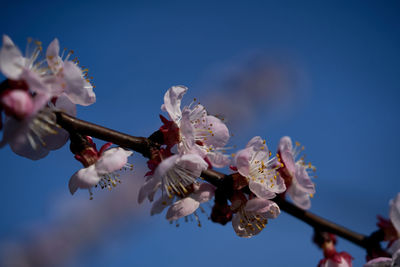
x=144 y=145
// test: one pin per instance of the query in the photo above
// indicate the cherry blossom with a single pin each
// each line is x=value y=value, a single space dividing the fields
x=385 y=261
x=198 y=132
x=32 y=92
x=327 y=242
x=391 y=227
x=185 y=206
x=29 y=69
x=68 y=78
x=100 y=167
x=336 y=259
x=37 y=133
x=252 y=217
x=173 y=175
x=255 y=164
x=295 y=173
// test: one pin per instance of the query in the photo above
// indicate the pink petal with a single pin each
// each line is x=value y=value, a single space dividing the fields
x=237 y=227
x=40 y=100
x=56 y=141
x=17 y=102
x=395 y=246
x=182 y=208
x=220 y=132
x=164 y=166
x=11 y=59
x=64 y=104
x=379 y=262
x=285 y=144
x=77 y=88
x=299 y=196
x=263 y=206
x=303 y=179
x=52 y=55
x=148 y=189
x=242 y=161
x=261 y=190
x=84 y=178
x=187 y=132
x=16 y=135
x=218 y=160
x=240 y=230
x=112 y=160
x=396 y=258
x=256 y=142
x=194 y=163
x=288 y=161
x=258 y=149
x=35 y=83
x=331 y=263
x=172 y=102
x=395 y=212
x=204 y=193
x=160 y=204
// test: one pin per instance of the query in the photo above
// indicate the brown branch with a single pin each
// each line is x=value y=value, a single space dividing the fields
x=144 y=145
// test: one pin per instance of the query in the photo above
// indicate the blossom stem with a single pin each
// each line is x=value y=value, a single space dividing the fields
x=72 y=124
x=145 y=145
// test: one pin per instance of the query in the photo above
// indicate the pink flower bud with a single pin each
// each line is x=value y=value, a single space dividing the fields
x=17 y=103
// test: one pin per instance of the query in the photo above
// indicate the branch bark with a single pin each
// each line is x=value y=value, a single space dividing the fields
x=144 y=145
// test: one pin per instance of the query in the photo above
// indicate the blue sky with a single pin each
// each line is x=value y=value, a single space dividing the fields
x=343 y=106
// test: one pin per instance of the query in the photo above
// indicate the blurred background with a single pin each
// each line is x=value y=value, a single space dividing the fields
x=326 y=73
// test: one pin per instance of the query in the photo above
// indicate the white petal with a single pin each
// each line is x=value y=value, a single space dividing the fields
x=11 y=59
x=303 y=179
x=63 y=103
x=261 y=190
x=160 y=204
x=16 y=135
x=259 y=150
x=77 y=88
x=218 y=160
x=194 y=163
x=263 y=206
x=256 y=142
x=112 y=159
x=172 y=102
x=299 y=196
x=84 y=178
x=288 y=161
x=396 y=259
x=395 y=246
x=52 y=56
x=379 y=262
x=164 y=166
x=148 y=189
x=220 y=132
x=204 y=193
x=285 y=144
x=182 y=208
x=242 y=231
x=331 y=263
x=186 y=131
x=35 y=83
x=395 y=212
x=242 y=161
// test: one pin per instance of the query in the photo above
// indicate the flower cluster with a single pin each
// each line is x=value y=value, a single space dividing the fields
x=332 y=258
x=193 y=141
x=391 y=230
x=100 y=166
x=37 y=85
